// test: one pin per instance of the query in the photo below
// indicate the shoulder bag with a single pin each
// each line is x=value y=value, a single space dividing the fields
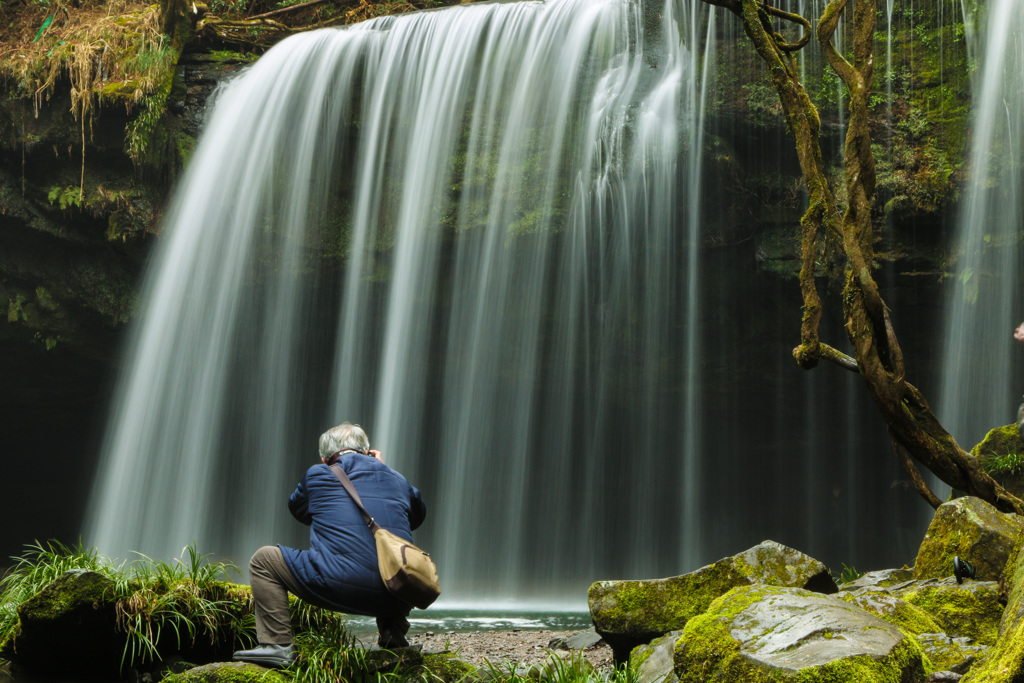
x=407 y=571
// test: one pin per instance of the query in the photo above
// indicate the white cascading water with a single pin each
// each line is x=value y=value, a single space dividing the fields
x=507 y=194
x=981 y=385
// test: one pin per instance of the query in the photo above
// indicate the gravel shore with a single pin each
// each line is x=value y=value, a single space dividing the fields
x=521 y=648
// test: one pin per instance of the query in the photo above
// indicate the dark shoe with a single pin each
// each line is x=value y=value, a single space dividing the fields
x=278 y=656
x=962 y=569
x=391 y=632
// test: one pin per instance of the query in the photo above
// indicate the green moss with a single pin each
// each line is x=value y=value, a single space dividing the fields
x=71 y=591
x=707 y=651
x=230 y=672
x=662 y=605
x=972 y=529
x=904 y=615
x=973 y=610
x=445 y=667
x=1004 y=663
x=999 y=441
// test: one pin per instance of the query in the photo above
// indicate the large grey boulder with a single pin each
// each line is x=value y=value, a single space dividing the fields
x=972 y=609
x=771 y=634
x=974 y=530
x=630 y=613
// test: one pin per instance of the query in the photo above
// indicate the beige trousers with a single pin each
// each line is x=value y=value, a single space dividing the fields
x=271 y=580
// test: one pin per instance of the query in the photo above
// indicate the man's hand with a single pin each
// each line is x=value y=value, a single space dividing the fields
x=377 y=455
x=1018 y=334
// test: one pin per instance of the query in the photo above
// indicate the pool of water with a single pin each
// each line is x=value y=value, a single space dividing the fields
x=443 y=620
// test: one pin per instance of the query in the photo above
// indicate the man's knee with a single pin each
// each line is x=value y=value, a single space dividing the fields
x=263 y=559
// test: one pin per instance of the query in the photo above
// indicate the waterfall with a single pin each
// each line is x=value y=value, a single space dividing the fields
x=981 y=378
x=481 y=233
x=462 y=229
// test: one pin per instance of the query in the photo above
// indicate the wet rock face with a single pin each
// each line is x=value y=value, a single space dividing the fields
x=75 y=617
x=973 y=530
x=629 y=613
x=768 y=633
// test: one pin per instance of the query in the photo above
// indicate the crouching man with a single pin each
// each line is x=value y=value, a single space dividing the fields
x=339 y=571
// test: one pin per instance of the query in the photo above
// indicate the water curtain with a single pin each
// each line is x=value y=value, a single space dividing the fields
x=981 y=378
x=472 y=230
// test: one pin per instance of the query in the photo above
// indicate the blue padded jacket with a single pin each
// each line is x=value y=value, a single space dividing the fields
x=340 y=568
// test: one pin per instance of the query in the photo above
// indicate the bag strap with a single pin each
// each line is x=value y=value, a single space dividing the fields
x=347 y=483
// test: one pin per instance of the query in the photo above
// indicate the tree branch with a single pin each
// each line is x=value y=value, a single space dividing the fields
x=290 y=8
x=914 y=430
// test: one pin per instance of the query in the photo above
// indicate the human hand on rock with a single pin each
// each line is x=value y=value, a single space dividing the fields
x=1018 y=334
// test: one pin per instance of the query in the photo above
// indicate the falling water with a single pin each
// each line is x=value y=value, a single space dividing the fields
x=981 y=379
x=480 y=232
x=516 y=270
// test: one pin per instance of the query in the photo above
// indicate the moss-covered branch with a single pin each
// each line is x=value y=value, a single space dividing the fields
x=916 y=433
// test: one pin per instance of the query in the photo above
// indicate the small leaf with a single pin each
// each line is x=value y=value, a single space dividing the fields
x=42 y=29
x=55 y=47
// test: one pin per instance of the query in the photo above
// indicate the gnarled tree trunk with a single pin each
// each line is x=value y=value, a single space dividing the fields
x=916 y=434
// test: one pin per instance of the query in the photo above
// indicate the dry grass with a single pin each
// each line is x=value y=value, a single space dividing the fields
x=111 y=50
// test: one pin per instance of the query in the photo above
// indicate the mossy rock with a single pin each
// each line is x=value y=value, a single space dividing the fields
x=972 y=609
x=1004 y=663
x=630 y=613
x=387 y=661
x=1002 y=453
x=228 y=672
x=950 y=654
x=974 y=530
x=999 y=441
x=904 y=615
x=881 y=578
x=771 y=634
x=75 y=616
x=447 y=668
x=653 y=662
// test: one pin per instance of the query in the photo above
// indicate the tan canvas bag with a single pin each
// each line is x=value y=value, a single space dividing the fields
x=407 y=571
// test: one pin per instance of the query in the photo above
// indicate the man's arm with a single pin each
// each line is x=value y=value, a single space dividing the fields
x=298 y=504
x=417 y=509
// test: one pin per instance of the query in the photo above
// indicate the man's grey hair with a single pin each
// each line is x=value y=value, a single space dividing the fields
x=343 y=437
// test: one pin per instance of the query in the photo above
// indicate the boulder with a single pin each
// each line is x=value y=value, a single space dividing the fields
x=950 y=654
x=378 y=661
x=653 y=662
x=75 y=616
x=771 y=634
x=974 y=530
x=880 y=578
x=228 y=672
x=1004 y=663
x=972 y=609
x=580 y=640
x=445 y=667
x=998 y=451
x=905 y=616
x=945 y=652
x=630 y=613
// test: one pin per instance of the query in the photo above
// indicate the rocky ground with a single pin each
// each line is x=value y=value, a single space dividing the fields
x=522 y=648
